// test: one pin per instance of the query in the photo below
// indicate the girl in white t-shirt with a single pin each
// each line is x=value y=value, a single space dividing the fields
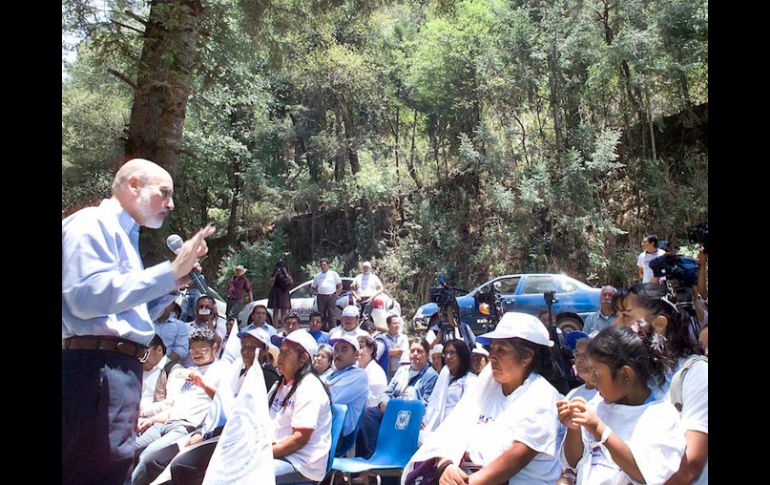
x=625 y=434
x=453 y=381
x=651 y=303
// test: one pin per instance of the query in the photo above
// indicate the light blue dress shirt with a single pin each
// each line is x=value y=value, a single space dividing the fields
x=175 y=335
x=105 y=287
x=349 y=386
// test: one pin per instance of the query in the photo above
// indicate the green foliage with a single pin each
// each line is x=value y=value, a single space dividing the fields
x=443 y=119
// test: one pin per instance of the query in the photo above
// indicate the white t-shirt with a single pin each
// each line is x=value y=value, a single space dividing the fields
x=695 y=404
x=149 y=383
x=377 y=382
x=326 y=283
x=367 y=284
x=651 y=431
x=643 y=261
x=527 y=415
x=192 y=403
x=308 y=408
x=582 y=391
x=339 y=331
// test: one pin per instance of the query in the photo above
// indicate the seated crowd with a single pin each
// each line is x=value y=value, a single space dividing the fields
x=494 y=413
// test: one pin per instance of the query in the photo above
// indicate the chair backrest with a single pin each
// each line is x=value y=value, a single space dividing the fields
x=338 y=419
x=349 y=440
x=399 y=429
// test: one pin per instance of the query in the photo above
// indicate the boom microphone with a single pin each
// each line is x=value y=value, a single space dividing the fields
x=174 y=243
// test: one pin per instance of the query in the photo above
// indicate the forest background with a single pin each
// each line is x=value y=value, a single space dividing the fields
x=468 y=138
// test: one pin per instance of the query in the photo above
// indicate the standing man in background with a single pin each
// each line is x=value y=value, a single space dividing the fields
x=651 y=251
x=236 y=288
x=328 y=286
x=106 y=324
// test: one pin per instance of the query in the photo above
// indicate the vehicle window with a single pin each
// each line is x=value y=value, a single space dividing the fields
x=508 y=285
x=302 y=292
x=538 y=284
x=568 y=286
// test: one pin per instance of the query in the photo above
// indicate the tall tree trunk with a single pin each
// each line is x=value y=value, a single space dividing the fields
x=395 y=129
x=410 y=161
x=350 y=140
x=163 y=82
x=160 y=98
x=553 y=85
x=339 y=155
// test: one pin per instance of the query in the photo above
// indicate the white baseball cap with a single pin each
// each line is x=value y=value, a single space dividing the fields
x=301 y=337
x=521 y=325
x=437 y=349
x=480 y=350
x=258 y=333
x=350 y=311
x=346 y=338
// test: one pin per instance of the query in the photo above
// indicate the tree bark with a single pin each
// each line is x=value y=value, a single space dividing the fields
x=160 y=98
x=555 y=105
x=163 y=82
x=339 y=155
x=410 y=161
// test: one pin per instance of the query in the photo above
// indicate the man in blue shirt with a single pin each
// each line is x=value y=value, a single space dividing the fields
x=173 y=332
x=106 y=324
x=348 y=384
x=602 y=319
x=316 y=323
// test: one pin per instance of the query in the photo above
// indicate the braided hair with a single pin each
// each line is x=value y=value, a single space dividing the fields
x=302 y=372
x=637 y=346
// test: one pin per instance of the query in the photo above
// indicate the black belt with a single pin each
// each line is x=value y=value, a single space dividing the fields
x=110 y=344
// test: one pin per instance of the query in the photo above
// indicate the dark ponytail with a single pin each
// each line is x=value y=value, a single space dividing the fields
x=653 y=298
x=302 y=372
x=542 y=362
x=638 y=347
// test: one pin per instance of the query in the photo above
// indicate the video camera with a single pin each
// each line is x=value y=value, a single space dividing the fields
x=681 y=274
x=699 y=234
x=442 y=295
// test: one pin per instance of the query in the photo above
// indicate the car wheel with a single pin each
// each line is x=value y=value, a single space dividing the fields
x=569 y=324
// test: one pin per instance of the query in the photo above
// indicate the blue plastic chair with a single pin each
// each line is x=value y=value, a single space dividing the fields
x=396 y=440
x=338 y=419
x=349 y=440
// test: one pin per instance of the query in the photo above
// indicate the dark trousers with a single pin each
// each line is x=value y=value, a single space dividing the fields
x=234 y=307
x=100 y=408
x=190 y=468
x=366 y=440
x=326 y=309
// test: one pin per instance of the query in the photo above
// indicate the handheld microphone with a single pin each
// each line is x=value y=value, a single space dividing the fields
x=174 y=243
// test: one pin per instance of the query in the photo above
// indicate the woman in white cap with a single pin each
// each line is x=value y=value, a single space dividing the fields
x=300 y=410
x=506 y=428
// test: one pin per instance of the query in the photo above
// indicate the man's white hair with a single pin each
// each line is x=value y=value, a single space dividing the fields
x=136 y=166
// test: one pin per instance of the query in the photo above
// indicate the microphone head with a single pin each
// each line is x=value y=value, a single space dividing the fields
x=174 y=243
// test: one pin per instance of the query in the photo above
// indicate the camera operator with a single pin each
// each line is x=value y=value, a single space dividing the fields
x=680 y=274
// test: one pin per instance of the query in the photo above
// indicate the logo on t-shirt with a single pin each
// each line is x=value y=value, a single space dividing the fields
x=485 y=419
x=402 y=421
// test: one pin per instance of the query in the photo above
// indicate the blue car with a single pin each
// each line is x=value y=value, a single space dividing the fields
x=524 y=293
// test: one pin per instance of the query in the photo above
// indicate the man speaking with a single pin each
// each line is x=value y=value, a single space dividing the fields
x=106 y=323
